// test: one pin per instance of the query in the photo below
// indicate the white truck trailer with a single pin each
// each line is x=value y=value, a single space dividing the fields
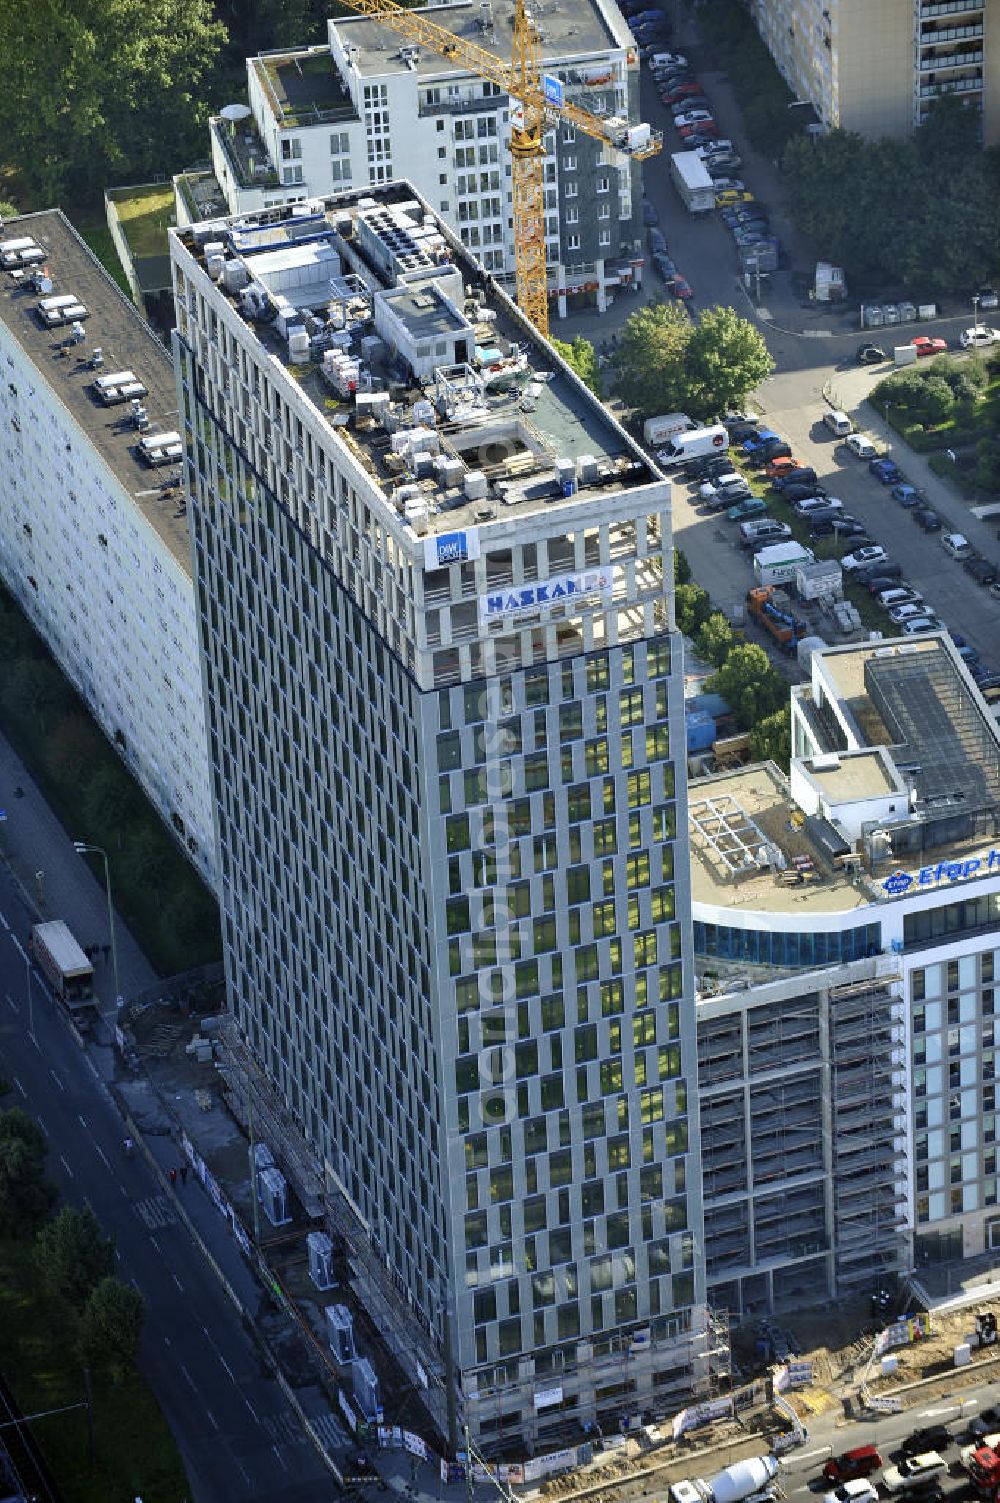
x=693 y=181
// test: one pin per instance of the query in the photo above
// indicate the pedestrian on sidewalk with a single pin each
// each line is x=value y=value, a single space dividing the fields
x=173 y=1176
x=184 y=1174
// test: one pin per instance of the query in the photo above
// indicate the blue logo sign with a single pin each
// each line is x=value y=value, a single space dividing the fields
x=944 y=871
x=553 y=90
x=452 y=548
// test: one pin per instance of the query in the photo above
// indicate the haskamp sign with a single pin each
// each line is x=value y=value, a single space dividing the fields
x=522 y=600
x=944 y=871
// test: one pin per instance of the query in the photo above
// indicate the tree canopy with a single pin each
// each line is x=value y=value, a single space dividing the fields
x=919 y=214
x=72 y=1257
x=26 y=1196
x=110 y=1327
x=581 y=357
x=104 y=91
x=664 y=363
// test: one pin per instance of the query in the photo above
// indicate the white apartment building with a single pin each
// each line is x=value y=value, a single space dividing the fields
x=847 y=940
x=94 y=550
x=874 y=66
x=368 y=109
x=453 y=872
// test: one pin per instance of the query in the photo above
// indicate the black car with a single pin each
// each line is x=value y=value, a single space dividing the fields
x=705 y=469
x=926 y=518
x=927 y=1438
x=821 y=529
x=870 y=354
x=982 y=571
x=846 y=524
x=987 y=1421
x=800 y=492
x=881 y=576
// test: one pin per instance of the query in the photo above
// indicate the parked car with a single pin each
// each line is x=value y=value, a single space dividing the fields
x=752 y=506
x=885 y=470
x=691 y=117
x=878 y=577
x=765 y=436
x=820 y=527
x=921 y=624
x=817 y=505
x=870 y=354
x=860 y=446
x=986 y=1421
x=898 y=595
x=926 y=518
x=845 y=524
x=798 y=491
x=729 y=184
x=663 y=266
x=908 y=610
x=874 y=553
x=657 y=240
x=681 y=288
x=697 y=133
x=649 y=214
x=689 y=104
x=906 y=495
x=800 y=474
x=860 y=1462
x=722 y=147
x=927 y=345
x=858 y=1491
x=912 y=1471
x=987 y=299
x=982 y=571
x=683 y=89
x=729 y=196
x=721 y=161
x=978 y=338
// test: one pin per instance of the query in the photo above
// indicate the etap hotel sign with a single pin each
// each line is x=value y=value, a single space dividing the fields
x=524 y=600
x=944 y=871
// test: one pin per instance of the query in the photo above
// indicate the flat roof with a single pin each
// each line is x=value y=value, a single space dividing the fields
x=578 y=29
x=305 y=86
x=763 y=796
x=128 y=343
x=855 y=775
x=519 y=413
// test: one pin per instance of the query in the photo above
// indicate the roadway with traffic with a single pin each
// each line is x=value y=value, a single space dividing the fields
x=239 y=1437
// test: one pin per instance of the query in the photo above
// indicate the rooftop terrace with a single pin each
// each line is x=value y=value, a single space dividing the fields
x=304 y=87
x=579 y=29
x=391 y=330
x=114 y=324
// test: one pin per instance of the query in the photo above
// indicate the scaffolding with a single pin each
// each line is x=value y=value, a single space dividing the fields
x=868 y=1121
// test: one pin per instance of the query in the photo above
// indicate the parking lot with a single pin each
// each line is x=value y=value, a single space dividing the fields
x=711 y=541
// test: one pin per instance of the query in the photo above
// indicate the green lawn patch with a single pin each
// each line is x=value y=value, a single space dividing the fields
x=145 y=214
x=134 y=1451
x=163 y=900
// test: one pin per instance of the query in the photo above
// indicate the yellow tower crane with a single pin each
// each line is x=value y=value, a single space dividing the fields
x=535 y=100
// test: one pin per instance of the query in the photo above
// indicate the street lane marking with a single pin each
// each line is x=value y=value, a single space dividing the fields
x=281 y=1459
x=62 y=1160
x=156 y=1211
x=18 y=947
x=810 y=1455
x=252 y=1410
x=188 y=1376
x=218 y=1353
x=246 y=1474
x=10 y=1002
x=20 y=1088
x=177 y=1282
x=156 y=1244
x=215 y=1422
x=3 y=920
x=100 y=1150
x=55 y=1077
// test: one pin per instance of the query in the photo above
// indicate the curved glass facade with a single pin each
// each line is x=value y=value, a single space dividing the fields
x=763 y=947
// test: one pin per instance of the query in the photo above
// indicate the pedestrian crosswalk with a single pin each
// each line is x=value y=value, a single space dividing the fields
x=286 y=1429
x=156 y=1211
x=330 y=1431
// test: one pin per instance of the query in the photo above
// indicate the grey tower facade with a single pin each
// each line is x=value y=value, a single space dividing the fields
x=446 y=727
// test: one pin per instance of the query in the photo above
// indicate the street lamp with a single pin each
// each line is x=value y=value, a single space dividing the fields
x=888 y=430
x=82 y=847
x=975 y=310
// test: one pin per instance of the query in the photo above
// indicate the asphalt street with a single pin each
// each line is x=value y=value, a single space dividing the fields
x=238 y=1436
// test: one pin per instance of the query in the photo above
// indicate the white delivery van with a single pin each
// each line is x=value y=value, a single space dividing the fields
x=838 y=423
x=696 y=444
x=656 y=430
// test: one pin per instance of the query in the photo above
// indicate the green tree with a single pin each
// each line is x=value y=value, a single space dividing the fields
x=649 y=362
x=726 y=358
x=72 y=1257
x=110 y=1327
x=771 y=738
x=682 y=569
x=111 y=799
x=98 y=91
x=747 y=681
x=692 y=608
x=26 y=1197
x=581 y=357
x=939 y=400
x=715 y=639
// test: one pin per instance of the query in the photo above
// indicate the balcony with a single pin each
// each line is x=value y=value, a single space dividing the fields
x=956 y=86
x=951 y=60
x=951 y=34
x=245 y=153
x=951 y=8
